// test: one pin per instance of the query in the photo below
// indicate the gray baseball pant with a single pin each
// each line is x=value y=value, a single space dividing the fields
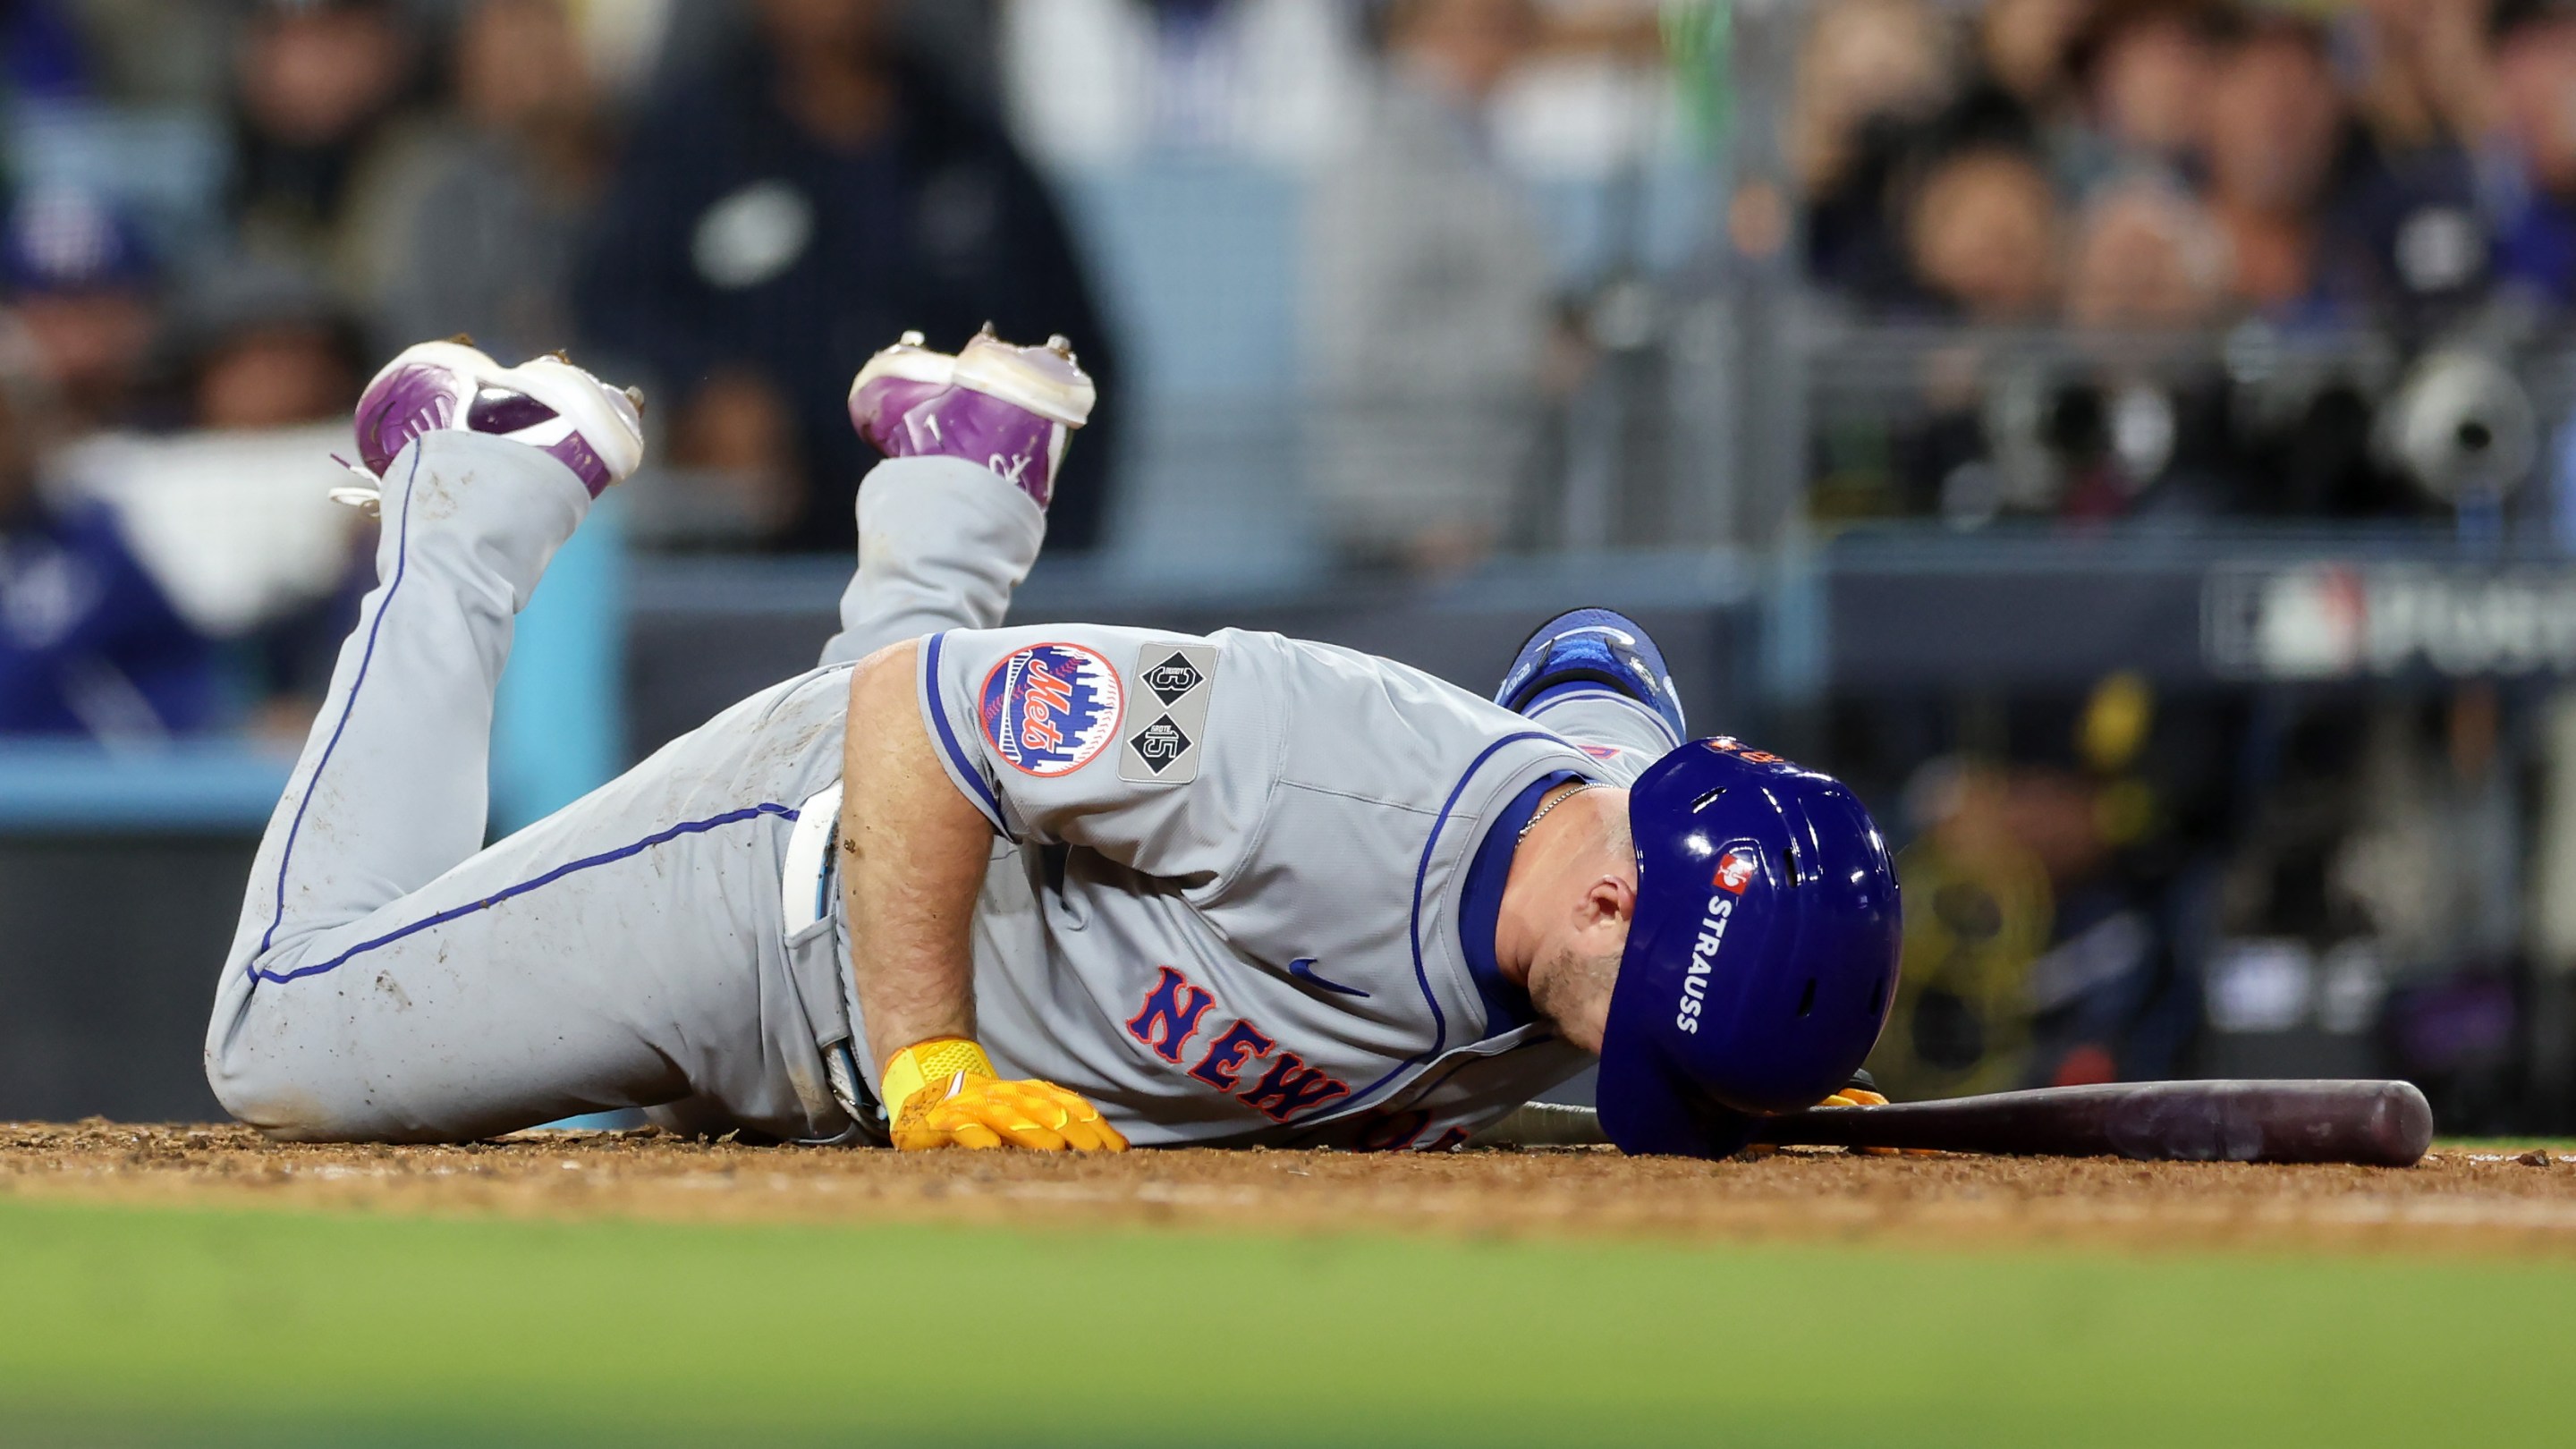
x=393 y=979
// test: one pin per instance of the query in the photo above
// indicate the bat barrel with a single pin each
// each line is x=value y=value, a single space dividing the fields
x=2385 y=1124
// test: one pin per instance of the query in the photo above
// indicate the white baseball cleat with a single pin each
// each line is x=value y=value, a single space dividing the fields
x=1009 y=408
x=547 y=403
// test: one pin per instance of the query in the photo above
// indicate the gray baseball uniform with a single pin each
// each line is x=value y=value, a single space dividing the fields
x=1242 y=889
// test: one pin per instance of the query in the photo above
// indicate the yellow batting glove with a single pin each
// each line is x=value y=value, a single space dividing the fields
x=945 y=1093
x=1864 y=1097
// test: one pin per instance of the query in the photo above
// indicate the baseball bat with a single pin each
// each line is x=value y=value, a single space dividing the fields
x=2380 y=1124
x=2384 y=1124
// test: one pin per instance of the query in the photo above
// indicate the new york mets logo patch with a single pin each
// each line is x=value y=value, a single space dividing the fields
x=1050 y=709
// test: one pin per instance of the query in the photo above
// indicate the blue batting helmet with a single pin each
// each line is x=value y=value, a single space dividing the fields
x=1761 y=958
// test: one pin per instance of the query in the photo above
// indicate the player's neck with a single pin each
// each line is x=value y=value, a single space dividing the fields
x=1551 y=865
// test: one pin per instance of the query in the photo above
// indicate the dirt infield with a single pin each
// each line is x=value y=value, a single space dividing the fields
x=2461 y=1199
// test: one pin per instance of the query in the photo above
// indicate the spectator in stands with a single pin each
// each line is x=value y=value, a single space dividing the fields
x=2423 y=82
x=1871 y=75
x=1430 y=301
x=271 y=366
x=776 y=223
x=1864 y=64
x=88 y=643
x=488 y=247
x=1981 y=231
x=265 y=347
x=2145 y=255
x=2322 y=222
x=2126 y=437
x=1104 y=81
x=2276 y=133
x=2024 y=82
x=81 y=295
x=2535 y=69
x=2100 y=433
x=2145 y=68
x=324 y=147
x=2421 y=95
x=2025 y=48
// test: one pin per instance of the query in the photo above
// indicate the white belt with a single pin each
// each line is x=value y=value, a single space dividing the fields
x=805 y=878
x=805 y=900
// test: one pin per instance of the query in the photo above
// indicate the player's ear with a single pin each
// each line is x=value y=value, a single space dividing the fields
x=1612 y=899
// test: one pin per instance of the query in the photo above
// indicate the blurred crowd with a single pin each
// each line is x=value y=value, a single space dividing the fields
x=2130 y=883
x=2385 y=184
x=2174 y=258
x=217 y=217
x=2211 y=261
x=2165 y=163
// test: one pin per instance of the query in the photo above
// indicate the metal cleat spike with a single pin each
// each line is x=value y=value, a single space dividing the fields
x=988 y=332
x=463 y=339
x=561 y=356
x=911 y=339
x=635 y=395
x=1061 y=346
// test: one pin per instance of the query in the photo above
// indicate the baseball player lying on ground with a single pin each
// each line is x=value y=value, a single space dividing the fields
x=1062 y=886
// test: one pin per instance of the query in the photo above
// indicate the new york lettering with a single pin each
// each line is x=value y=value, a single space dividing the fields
x=1171 y=1014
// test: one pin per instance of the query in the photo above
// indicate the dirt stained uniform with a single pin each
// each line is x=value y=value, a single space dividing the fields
x=1242 y=888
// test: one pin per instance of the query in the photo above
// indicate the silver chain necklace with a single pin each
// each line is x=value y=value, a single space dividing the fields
x=1579 y=787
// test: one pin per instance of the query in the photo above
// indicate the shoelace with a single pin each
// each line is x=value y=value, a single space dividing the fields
x=368 y=497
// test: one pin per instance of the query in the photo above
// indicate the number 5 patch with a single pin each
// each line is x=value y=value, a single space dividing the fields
x=1169 y=720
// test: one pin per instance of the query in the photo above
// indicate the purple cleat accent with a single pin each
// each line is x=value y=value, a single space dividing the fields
x=1008 y=408
x=425 y=389
x=506 y=412
x=548 y=404
x=514 y=415
x=955 y=423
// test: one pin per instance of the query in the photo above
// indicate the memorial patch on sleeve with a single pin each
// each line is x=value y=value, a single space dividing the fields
x=1050 y=709
x=1163 y=748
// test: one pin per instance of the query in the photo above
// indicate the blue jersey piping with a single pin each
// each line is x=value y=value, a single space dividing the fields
x=966 y=766
x=402 y=565
x=662 y=837
x=1421 y=875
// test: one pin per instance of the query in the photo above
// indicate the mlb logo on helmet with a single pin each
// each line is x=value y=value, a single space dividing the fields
x=1051 y=709
x=1730 y=745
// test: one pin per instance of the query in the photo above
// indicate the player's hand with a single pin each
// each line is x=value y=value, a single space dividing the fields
x=1864 y=1097
x=1860 y=1097
x=982 y=1112
x=951 y=1097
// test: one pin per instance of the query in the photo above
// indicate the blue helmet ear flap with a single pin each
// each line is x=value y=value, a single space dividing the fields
x=1650 y=1108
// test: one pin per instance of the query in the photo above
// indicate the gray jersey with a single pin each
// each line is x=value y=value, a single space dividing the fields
x=1224 y=902
x=1260 y=941
x=1229 y=902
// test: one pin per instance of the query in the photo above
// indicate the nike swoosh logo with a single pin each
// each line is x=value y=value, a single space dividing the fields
x=1303 y=968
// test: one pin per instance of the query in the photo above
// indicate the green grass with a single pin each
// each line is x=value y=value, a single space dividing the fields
x=135 y=1326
